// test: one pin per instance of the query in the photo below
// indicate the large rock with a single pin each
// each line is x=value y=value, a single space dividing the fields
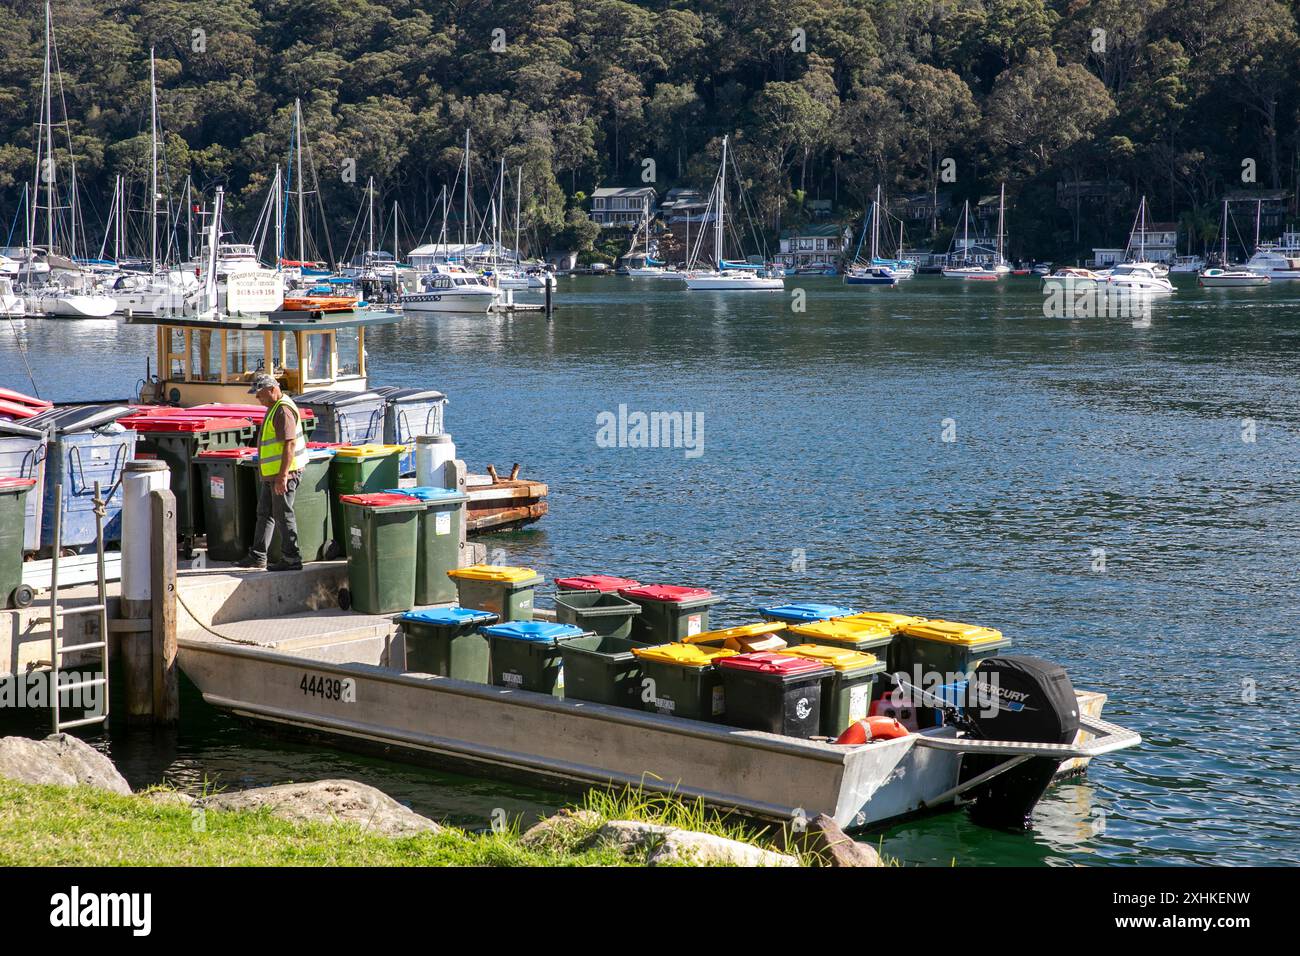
x=329 y=801
x=826 y=844
x=59 y=759
x=564 y=829
x=665 y=845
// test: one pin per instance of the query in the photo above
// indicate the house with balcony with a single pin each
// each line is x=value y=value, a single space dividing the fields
x=622 y=207
x=814 y=245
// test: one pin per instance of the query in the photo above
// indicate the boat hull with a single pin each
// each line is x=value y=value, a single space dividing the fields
x=448 y=302
x=71 y=306
x=1233 y=281
x=738 y=284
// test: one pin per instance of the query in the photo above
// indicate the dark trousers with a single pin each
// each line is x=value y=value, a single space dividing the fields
x=276 y=511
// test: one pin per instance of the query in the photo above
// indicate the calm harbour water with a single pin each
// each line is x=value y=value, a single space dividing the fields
x=825 y=476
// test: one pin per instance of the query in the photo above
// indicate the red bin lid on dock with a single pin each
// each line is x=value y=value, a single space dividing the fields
x=595 y=582
x=381 y=499
x=15 y=484
x=667 y=593
x=226 y=454
x=183 y=423
x=780 y=665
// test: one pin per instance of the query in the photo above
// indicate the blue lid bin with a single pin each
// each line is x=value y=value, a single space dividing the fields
x=527 y=655
x=805 y=612
x=448 y=642
x=442 y=530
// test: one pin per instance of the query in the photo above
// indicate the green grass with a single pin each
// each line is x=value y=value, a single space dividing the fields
x=63 y=826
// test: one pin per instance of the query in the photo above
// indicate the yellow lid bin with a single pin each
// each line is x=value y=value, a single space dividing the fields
x=368 y=451
x=864 y=636
x=505 y=591
x=895 y=622
x=848 y=692
x=941 y=652
x=681 y=680
x=745 y=638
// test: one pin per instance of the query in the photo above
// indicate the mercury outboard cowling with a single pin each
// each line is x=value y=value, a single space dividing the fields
x=1017 y=698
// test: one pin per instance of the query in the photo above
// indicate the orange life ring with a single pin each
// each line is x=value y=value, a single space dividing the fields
x=872 y=728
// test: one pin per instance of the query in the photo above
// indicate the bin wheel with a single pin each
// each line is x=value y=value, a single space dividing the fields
x=345 y=599
x=333 y=551
x=22 y=596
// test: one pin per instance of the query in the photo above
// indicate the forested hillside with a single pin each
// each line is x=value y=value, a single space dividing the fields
x=824 y=98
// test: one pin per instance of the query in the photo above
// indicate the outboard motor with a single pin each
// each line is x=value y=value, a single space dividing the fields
x=1016 y=698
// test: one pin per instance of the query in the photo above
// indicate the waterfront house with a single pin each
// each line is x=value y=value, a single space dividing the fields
x=622 y=207
x=814 y=244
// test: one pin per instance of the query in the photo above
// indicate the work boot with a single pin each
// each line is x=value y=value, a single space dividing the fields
x=253 y=564
x=286 y=566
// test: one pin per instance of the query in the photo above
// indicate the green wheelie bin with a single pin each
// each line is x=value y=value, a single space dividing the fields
x=527 y=655
x=441 y=523
x=449 y=642
x=179 y=439
x=13 y=525
x=229 y=489
x=601 y=612
x=358 y=469
x=947 y=649
x=847 y=693
x=682 y=680
x=312 y=512
x=602 y=669
x=507 y=592
x=669 y=613
x=381 y=531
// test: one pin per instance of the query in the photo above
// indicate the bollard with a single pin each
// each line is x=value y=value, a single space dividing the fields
x=162 y=638
x=456 y=478
x=547 y=284
x=432 y=452
x=140 y=479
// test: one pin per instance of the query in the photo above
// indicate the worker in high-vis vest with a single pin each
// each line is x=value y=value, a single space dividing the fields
x=281 y=458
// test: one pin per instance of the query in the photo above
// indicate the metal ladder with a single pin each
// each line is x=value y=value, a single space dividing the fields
x=57 y=648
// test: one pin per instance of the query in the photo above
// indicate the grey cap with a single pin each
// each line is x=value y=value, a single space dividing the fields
x=260 y=381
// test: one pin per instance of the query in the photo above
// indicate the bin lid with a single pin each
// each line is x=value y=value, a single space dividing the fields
x=668 y=593
x=11 y=485
x=540 y=632
x=839 y=658
x=403 y=396
x=183 y=423
x=683 y=655
x=737 y=633
x=14 y=429
x=895 y=622
x=845 y=630
x=780 y=665
x=431 y=494
x=381 y=499
x=952 y=632
x=70 y=419
x=369 y=451
x=450 y=616
x=805 y=612
x=595 y=582
x=326 y=445
x=225 y=454
x=328 y=396
x=319 y=454
x=255 y=413
x=494 y=572
x=9 y=395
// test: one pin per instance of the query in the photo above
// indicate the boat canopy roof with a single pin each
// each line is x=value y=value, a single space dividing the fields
x=285 y=321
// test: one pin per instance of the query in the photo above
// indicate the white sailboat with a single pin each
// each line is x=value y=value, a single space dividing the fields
x=1225 y=276
x=873 y=271
x=967 y=270
x=67 y=291
x=1158 y=269
x=727 y=276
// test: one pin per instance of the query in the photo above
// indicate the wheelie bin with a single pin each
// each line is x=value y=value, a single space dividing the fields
x=449 y=642
x=682 y=680
x=602 y=668
x=359 y=469
x=353 y=417
x=22 y=455
x=601 y=612
x=594 y=582
x=848 y=691
x=381 y=531
x=13 y=502
x=507 y=592
x=178 y=440
x=85 y=444
x=526 y=655
x=803 y=613
x=669 y=613
x=312 y=511
x=441 y=523
x=864 y=636
x=228 y=487
x=408 y=414
x=776 y=693
x=946 y=648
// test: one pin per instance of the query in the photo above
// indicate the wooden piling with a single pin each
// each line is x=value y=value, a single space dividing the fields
x=165 y=689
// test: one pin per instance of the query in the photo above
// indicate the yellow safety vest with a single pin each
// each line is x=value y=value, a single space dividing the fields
x=270 y=450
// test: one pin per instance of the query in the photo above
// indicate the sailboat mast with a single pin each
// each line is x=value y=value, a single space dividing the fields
x=153 y=167
x=277 y=197
x=965 y=235
x=395 y=256
x=1258 y=209
x=49 y=137
x=189 y=220
x=1002 y=203
x=302 y=209
x=875 y=226
x=370 y=243
x=519 y=195
x=722 y=195
x=497 y=251
x=464 y=221
x=1223 y=256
